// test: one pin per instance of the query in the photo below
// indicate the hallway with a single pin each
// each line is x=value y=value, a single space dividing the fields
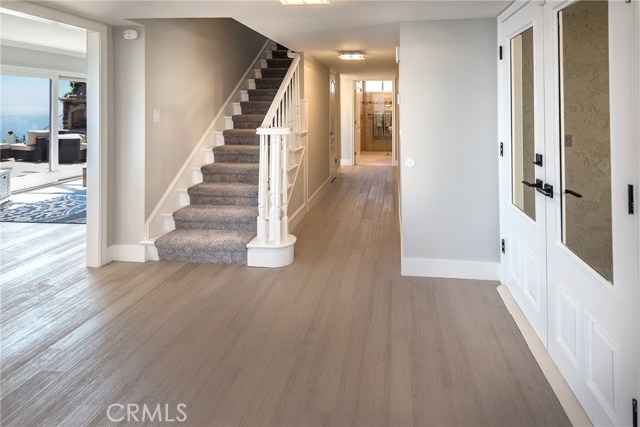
x=339 y=338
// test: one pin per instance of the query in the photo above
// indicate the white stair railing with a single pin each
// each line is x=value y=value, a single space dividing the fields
x=277 y=136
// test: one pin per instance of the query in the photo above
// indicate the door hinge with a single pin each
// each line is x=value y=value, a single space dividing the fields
x=503 y=246
x=634 y=408
x=501 y=149
x=500 y=52
x=632 y=208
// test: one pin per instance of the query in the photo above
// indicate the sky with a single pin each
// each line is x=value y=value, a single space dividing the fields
x=26 y=96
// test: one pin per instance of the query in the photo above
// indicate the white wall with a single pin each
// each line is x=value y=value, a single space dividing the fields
x=192 y=65
x=347 y=88
x=126 y=156
x=448 y=114
x=316 y=91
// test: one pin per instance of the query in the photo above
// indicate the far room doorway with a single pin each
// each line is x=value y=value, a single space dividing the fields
x=375 y=119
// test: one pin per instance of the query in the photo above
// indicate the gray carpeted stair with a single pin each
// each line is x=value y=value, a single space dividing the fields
x=277 y=73
x=268 y=83
x=255 y=107
x=262 y=94
x=247 y=121
x=279 y=53
x=241 y=137
x=224 y=193
x=205 y=246
x=221 y=217
x=237 y=153
x=217 y=217
x=231 y=172
x=279 y=62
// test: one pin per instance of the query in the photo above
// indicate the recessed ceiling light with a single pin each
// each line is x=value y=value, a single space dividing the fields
x=354 y=55
x=303 y=2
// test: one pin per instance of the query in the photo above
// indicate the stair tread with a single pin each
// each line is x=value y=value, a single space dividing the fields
x=235 y=168
x=233 y=189
x=247 y=117
x=209 y=240
x=217 y=213
x=256 y=103
x=236 y=149
x=273 y=92
x=239 y=132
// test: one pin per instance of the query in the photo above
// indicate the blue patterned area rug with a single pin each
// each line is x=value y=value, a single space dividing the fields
x=68 y=209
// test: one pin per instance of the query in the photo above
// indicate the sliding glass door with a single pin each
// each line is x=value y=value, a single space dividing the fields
x=43 y=126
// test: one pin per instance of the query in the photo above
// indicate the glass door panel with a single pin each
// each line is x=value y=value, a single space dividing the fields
x=523 y=123
x=585 y=133
x=25 y=118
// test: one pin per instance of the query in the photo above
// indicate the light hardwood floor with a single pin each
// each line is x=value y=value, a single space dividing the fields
x=337 y=339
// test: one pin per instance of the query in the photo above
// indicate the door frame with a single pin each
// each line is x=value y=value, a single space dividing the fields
x=98 y=42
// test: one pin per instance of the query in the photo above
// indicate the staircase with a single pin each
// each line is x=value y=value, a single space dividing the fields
x=221 y=217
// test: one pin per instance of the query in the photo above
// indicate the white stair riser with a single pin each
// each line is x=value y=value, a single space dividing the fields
x=237 y=109
x=219 y=139
x=244 y=95
x=263 y=63
x=252 y=84
x=208 y=156
x=228 y=122
x=196 y=176
x=258 y=74
x=169 y=223
x=152 y=253
x=183 y=198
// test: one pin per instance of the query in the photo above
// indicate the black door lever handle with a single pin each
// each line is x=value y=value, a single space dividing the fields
x=538 y=184
x=547 y=190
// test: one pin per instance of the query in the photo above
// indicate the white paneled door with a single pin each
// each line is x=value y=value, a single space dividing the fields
x=522 y=135
x=585 y=101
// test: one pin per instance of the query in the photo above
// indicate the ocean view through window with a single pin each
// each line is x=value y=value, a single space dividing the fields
x=24 y=104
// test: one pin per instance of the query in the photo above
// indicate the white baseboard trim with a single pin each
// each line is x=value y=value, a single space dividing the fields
x=129 y=253
x=297 y=216
x=346 y=162
x=318 y=194
x=567 y=399
x=450 y=269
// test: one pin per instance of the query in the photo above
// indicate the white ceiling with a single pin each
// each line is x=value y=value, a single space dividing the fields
x=320 y=30
x=40 y=34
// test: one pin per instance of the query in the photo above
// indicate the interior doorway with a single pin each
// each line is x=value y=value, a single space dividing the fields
x=375 y=119
x=95 y=42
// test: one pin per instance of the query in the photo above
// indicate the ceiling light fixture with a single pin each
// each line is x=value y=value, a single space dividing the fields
x=303 y=2
x=353 y=55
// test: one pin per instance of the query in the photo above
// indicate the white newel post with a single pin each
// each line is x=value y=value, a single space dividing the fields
x=273 y=245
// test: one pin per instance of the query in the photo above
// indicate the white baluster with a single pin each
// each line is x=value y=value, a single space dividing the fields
x=263 y=190
x=276 y=186
x=285 y=188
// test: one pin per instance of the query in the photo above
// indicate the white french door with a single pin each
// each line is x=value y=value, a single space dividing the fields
x=522 y=135
x=584 y=228
x=592 y=247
